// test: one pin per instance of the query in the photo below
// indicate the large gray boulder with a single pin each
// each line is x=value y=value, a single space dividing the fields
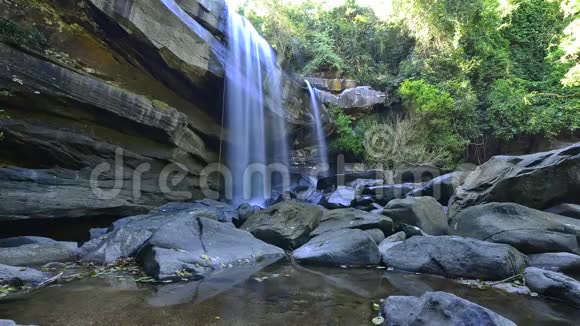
x=38 y=254
x=528 y=230
x=225 y=212
x=559 y=262
x=201 y=246
x=423 y=212
x=287 y=225
x=350 y=218
x=455 y=257
x=570 y=210
x=553 y=284
x=438 y=308
x=342 y=247
x=362 y=97
x=172 y=243
x=26 y=275
x=441 y=188
x=332 y=182
x=538 y=181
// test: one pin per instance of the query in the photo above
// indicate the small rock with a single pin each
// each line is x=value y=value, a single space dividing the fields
x=38 y=254
x=438 y=308
x=25 y=275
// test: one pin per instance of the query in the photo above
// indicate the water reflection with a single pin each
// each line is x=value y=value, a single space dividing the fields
x=278 y=294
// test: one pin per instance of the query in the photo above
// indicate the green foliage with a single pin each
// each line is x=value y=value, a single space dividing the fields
x=466 y=71
x=348 y=141
x=347 y=40
x=446 y=114
x=20 y=35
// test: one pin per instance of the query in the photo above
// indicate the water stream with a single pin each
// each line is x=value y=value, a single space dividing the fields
x=318 y=126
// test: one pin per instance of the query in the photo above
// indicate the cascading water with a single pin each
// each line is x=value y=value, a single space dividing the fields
x=253 y=106
x=317 y=125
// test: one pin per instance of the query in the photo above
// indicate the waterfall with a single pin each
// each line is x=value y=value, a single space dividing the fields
x=253 y=114
x=317 y=125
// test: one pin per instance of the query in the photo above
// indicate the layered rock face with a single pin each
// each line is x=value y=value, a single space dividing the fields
x=131 y=88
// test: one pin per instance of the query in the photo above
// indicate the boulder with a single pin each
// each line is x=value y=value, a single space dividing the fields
x=441 y=188
x=438 y=308
x=350 y=218
x=455 y=257
x=342 y=247
x=38 y=254
x=399 y=236
x=385 y=193
x=331 y=85
x=28 y=276
x=19 y=241
x=332 y=182
x=559 y=262
x=201 y=246
x=410 y=231
x=169 y=244
x=553 y=285
x=377 y=235
x=388 y=244
x=287 y=225
x=423 y=212
x=570 y=210
x=352 y=99
x=538 y=181
x=528 y=230
x=342 y=197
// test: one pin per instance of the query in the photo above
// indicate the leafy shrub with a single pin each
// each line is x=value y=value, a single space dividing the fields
x=347 y=141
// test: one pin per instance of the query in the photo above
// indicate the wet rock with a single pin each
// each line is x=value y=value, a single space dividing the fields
x=441 y=188
x=377 y=235
x=340 y=198
x=38 y=254
x=388 y=244
x=538 y=181
x=342 y=247
x=385 y=193
x=19 y=241
x=570 y=210
x=455 y=257
x=528 y=230
x=287 y=225
x=201 y=246
x=438 y=308
x=26 y=275
x=553 y=284
x=332 y=182
x=350 y=218
x=559 y=262
x=423 y=212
